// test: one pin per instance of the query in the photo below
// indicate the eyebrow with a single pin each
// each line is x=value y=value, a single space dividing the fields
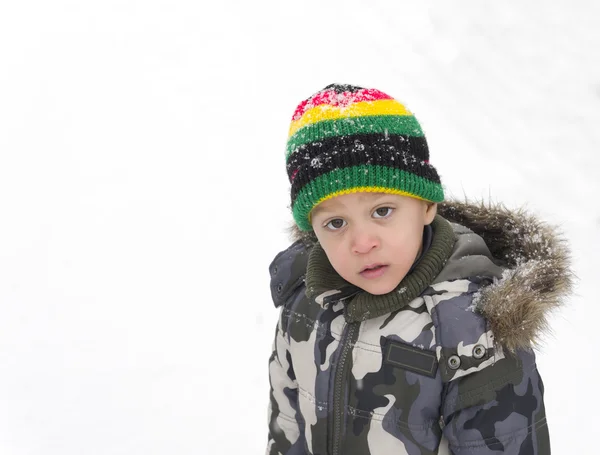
x=320 y=209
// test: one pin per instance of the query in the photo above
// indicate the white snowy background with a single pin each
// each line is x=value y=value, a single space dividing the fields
x=143 y=195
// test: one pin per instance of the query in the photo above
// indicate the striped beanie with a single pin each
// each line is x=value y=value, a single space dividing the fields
x=347 y=139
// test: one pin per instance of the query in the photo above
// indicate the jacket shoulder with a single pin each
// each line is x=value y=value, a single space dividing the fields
x=465 y=343
x=298 y=313
x=288 y=272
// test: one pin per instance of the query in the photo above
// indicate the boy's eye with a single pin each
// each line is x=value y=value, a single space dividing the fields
x=337 y=224
x=383 y=211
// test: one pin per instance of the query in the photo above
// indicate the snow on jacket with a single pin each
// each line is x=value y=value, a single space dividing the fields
x=442 y=365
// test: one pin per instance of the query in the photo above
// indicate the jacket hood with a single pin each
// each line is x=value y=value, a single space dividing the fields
x=536 y=278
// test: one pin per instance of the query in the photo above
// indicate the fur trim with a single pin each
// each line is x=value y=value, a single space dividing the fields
x=537 y=277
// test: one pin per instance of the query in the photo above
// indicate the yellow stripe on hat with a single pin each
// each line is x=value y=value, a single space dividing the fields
x=363 y=108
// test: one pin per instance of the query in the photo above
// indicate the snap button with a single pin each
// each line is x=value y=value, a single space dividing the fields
x=279 y=288
x=454 y=362
x=479 y=351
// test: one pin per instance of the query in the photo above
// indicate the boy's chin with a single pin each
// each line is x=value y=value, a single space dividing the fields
x=378 y=291
x=379 y=288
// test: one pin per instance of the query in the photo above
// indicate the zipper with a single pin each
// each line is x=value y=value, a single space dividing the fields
x=349 y=337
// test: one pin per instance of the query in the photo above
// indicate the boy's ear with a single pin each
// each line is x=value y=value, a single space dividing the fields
x=430 y=212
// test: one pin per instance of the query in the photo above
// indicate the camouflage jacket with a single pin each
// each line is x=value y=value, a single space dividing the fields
x=450 y=371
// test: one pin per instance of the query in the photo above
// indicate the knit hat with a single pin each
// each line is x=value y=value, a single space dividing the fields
x=347 y=139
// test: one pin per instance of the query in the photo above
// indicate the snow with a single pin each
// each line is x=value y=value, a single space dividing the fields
x=144 y=194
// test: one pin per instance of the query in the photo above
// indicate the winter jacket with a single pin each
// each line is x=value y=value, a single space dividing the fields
x=441 y=365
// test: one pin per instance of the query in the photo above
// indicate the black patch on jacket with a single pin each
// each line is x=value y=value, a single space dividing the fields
x=411 y=358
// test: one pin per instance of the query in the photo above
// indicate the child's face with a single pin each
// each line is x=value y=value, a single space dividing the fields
x=360 y=229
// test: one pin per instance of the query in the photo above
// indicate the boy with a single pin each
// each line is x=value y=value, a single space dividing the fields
x=407 y=323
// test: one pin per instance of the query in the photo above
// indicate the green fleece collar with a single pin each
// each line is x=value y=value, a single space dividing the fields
x=325 y=285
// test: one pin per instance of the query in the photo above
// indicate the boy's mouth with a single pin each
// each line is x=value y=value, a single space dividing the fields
x=373 y=270
x=372 y=266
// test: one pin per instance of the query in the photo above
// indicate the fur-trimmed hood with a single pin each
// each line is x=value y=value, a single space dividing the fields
x=537 y=276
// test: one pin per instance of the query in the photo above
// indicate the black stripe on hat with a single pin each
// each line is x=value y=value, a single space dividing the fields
x=382 y=155
x=413 y=145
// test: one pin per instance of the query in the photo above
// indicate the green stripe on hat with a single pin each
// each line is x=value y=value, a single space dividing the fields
x=378 y=178
x=392 y=124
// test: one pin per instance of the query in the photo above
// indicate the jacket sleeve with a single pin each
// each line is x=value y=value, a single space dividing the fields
x=499 y=409
x=284 y=430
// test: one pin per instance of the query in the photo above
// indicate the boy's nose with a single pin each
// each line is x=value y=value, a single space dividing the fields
x=364 y=241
